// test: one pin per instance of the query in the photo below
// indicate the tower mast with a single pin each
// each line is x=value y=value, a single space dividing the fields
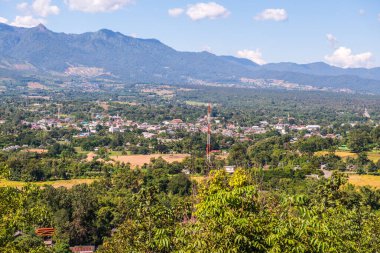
x=208 y=146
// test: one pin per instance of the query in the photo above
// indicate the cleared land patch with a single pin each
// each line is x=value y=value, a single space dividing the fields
x=58 y=183
x=363 y=180
x=36 y=85
x=373 y=155
x=140 y=160
x=37 y=150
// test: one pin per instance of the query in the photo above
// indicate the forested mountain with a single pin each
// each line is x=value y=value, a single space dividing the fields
x=106 y=53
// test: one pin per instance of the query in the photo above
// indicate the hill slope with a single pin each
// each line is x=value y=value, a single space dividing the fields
x=108 y=53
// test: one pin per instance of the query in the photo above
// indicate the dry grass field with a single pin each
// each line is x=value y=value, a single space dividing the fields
x=35 y=85
x=59 y=183
x=37 y=150
x=374 y=156
x=363 y=180
x=104 y=105
x=140 y=160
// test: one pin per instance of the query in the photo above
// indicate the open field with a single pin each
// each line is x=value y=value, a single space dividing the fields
x=373 y=155
x=79 y=150
x=104 y=105
x=36 y=150
x=362 y=180
x=90 y=156
x=59 y=183
x=36 y=85
x=198 y=178
x=195 y=103
x=140 y=160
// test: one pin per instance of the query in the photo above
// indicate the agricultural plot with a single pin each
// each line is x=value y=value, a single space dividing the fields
x=365 y=180
x=140 y=160
x=59 y=183
x=373 y=155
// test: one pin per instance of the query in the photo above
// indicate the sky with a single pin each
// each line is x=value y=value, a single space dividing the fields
x=343 y=33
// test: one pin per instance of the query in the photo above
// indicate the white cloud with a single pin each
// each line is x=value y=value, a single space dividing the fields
x=3 y=20
x=343 y=57
x=27 y=21
x=332 y=39
x=175 y=12
x=23 y=6
x=209 y=10
x=253 y=55
x=44 y=8
x=361 y=12
x=97 y=5
x=273 y=14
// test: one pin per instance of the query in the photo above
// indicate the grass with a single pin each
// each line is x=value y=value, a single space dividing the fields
x=115 y=153
x=365 y=180
x=58 y=183
x=195 y=103
x=372 y=155
x=198 y=178
x=79 y=150
x=140 y=160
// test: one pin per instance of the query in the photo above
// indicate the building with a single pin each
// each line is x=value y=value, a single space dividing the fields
x=229 y=169
x=83 y=249
x=312 y=128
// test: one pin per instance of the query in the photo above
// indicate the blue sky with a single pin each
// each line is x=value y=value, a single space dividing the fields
x=344 y=33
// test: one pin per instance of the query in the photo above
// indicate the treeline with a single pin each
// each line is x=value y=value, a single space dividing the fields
x=249 y=106
x=272 y=150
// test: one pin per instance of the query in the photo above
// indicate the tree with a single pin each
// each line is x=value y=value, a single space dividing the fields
x=358 y=141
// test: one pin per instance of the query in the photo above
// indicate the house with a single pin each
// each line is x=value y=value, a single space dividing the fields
x=229 y=169
x=148 y=135
x=83 y=249
x=312 y=128
x=113 y=129
x=176 y=122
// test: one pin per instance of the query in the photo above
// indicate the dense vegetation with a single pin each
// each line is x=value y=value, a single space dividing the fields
x=289 y=192
x=228 y=214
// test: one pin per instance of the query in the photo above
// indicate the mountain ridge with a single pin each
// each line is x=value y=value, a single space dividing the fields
x=149 y=60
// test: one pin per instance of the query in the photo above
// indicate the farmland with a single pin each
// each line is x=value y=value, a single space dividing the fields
x=365 y=180
x=140 y=160
x=58 y=183
x=373 y=155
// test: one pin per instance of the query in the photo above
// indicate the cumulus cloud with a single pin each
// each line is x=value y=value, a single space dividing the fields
x=27 y=21
x=3 y=20
x=97 y=6
x=343 y=57
x=209 y=10
x=332 y=40
x=272 y=14
x=42 y=8
x=253 y=55
x=175 y=12
x=23 y=6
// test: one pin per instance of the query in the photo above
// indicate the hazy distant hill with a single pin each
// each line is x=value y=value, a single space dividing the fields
x=39 y=50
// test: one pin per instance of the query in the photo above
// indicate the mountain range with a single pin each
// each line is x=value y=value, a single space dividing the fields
x=111 y=54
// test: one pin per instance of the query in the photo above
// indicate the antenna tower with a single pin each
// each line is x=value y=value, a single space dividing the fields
x=208 y=146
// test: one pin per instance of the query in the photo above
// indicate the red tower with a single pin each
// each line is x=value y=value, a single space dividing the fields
x=208 y=146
